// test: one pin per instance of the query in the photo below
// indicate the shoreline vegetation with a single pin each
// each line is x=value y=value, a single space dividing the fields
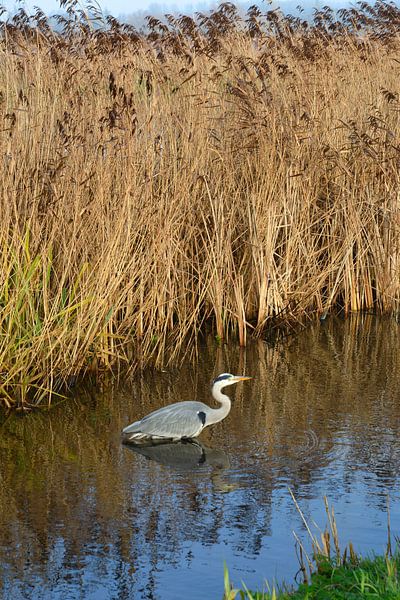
x=330 y=573
x=220 y=173
x=367 y=578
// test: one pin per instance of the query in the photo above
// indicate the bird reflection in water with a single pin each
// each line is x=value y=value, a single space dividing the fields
x=187 y=455
x=190 y=456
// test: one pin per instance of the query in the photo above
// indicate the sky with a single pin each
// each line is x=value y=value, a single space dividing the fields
x=115 y=7
x=121 y=8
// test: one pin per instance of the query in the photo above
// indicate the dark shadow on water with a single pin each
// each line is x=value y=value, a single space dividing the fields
x=187 y=455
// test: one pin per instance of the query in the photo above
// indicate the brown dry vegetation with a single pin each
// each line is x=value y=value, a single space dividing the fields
x=223 y=171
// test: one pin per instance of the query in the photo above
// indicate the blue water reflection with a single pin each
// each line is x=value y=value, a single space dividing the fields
x=83 y=516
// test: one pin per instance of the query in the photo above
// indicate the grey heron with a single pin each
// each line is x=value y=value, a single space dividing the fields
x=183 y=420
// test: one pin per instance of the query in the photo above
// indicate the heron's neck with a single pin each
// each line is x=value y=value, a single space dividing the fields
x=220 y=413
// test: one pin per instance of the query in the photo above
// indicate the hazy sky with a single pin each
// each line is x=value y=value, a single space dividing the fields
x=115 y=7
x=127 y=7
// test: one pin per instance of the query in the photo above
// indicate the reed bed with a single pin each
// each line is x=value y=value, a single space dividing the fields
x=219 y=173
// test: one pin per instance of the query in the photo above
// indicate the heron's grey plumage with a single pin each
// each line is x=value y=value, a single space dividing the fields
x=184 y=419
x=174 y=421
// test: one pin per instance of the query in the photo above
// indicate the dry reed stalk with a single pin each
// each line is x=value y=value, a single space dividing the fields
x=212 y=171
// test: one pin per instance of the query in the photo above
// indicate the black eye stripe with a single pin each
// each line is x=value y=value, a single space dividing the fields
x=222 y=377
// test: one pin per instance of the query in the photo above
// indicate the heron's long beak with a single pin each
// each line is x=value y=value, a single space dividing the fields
x=242 y=377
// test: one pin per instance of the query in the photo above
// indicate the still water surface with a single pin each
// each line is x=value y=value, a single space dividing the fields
x=84 y=517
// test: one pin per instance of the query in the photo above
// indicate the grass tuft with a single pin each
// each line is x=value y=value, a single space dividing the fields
x=339 y=576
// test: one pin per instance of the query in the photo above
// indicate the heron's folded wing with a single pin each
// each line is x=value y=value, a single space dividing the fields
x=177 y=420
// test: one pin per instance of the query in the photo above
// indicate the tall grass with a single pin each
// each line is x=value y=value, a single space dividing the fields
x=331 y=573
x=218 y=171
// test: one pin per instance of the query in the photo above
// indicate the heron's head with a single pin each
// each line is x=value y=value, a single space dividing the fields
x=227 y=379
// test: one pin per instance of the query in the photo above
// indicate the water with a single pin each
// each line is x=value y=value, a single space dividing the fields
x=82 y=516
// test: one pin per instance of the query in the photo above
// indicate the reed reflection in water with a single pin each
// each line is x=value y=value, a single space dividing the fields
x=83 y=516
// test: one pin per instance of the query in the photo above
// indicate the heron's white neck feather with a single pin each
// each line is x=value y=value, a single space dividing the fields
x=217 y=414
